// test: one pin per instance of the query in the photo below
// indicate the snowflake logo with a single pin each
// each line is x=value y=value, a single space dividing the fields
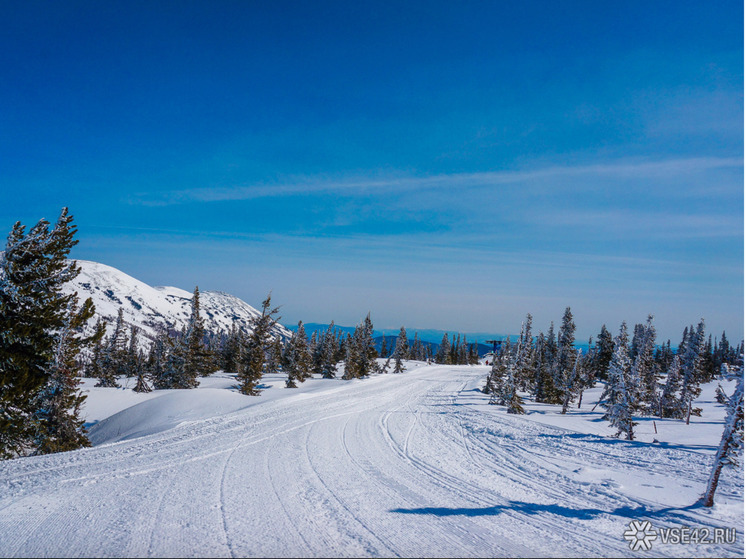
x=640 y=535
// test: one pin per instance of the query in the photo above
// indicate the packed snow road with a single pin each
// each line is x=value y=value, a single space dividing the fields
x=395 y=465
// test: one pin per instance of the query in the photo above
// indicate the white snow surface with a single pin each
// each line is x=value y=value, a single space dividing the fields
x=150 y=308
x=409 y=465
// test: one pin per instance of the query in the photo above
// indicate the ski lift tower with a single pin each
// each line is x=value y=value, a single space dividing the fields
x=496 y=344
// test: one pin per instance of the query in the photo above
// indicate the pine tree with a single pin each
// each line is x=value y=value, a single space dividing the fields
x=296 y=359
x=255 y=349
x=360 y=354
x=443 y=355
x=525 y=356
x=692 y=364
x=401 y=351
x=731 y=442
x=230 y=353
x=113 y=356
x=546 y=390
x=157 y=359
x=605 y=345
x=135 y=365
x=58 y=423
x=644 y=369
x=196 y=357
x=352 y=359
x=617 y=398
x=670 y=404
x=328 y=353
x=93 y=365
x=274 y=357
x=564 y=371
x=33 y=314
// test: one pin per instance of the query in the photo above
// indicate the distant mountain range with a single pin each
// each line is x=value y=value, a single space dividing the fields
x=429 y=336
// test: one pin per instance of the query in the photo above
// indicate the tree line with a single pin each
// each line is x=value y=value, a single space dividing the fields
x=640 y=376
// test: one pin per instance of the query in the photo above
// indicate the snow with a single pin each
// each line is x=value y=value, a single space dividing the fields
x=413 y=465
x=151 y=308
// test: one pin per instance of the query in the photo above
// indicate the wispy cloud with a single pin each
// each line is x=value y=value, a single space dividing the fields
x=621 y=170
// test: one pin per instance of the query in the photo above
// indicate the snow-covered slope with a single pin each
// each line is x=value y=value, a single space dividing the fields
x=152 y=308
x=408 y=465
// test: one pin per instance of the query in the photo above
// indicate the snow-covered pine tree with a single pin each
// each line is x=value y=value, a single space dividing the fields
x=157 y=359
x=197 y=360
x=573 y=382
x=360 y=357
x=670 y=404
x=352 y=358
x=645 y=371
x=33 y=311
x=525 y=356
x=384 y=349
x=604 y=353
x=564 y=369
x=114 y=355
x=546 y=391
x=254 y=351
x=329 y=353
x=230 y=353
x=57 y=419
x=692 y=368
x=296 y=359
x=617 y=399
x=136 y=367
x=93 y=364
x=730 y=449
x=274 y=357
x=401 y=351
x=443 y=355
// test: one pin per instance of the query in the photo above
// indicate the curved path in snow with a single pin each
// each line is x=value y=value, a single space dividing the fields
x=395 y=465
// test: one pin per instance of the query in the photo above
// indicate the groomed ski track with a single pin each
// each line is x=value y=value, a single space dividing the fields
x=393 y=465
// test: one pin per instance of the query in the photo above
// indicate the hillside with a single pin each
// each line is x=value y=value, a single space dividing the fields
x=152 y=308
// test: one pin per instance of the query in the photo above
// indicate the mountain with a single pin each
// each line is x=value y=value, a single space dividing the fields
x=154 y=308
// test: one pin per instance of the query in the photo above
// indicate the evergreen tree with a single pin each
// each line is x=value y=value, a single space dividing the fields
x=644 y=368
x=443 y=355
x=546 y=389
x=384 y=349
x=670 y=404
x=135 y=366
x=296 y=359
x=255 y=349
x=33 y=315
x=197 y=359
x=605 y=345
x=731 y=442
x=361 y=354
x=525 y=357
x=564 y=371
x=274 y=357
x=401 y=351
x=157 y=359
x=93 y=365
x=58 y=424
x=692 y=365
x=329 y=354
x=230 y=353
x=617 y=398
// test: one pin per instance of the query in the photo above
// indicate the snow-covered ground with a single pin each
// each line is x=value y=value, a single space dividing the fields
x=413 y=465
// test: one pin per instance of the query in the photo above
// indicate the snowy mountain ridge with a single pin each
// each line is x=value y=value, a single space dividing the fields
x=154 y=308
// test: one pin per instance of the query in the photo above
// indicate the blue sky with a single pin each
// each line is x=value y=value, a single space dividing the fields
x=447 y=165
